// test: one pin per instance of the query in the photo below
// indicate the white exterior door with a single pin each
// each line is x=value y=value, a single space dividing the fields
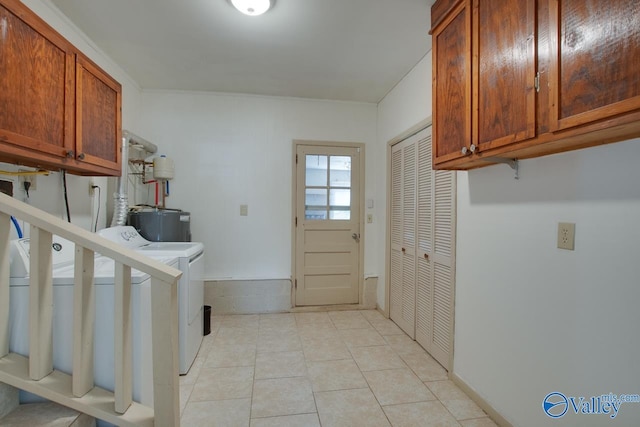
x=327 y=230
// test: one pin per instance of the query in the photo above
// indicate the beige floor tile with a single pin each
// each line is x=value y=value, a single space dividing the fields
x=302 y=420
x=185 y=392
x=425 y=366
x=402 y=344
x=314 y=321
x=223 y=384
x=226 y=356
x=194 y=371
x=220 y=413
x=278 y=340
x=279 y=321
x=282 y=396
x=446 y=390
x=241 y=321
x=348 y=408
x=206 y=345
x=361 y=337
x=310 y=334
x=330 y=349
x=479 y=422
x=393 y=386
x=335 y=375
x=421 y=414
x=386 y=327
x=236 y=336
x=282 y=364
x=372 y=315
x=463 y=409
x=376 y=358
x=349 y=320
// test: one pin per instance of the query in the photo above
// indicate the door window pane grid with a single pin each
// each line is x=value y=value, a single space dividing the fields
x=327 y=187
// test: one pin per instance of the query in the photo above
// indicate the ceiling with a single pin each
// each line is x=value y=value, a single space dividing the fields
x=352 y=50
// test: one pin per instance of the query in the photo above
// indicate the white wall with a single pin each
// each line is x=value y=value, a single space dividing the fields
x=530 y=318
x=408 y=104
x=49 y=194
x=235 y=149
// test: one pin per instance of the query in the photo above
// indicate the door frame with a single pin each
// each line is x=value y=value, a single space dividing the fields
x=294 y=189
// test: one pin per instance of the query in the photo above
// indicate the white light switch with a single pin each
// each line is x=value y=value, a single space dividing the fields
x=244 y=210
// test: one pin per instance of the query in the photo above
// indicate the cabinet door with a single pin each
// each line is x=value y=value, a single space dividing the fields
x=403 y=235
x=98 y=116
x=36 y=84
x=504 y=71
x=452 y=85
x=594 y=66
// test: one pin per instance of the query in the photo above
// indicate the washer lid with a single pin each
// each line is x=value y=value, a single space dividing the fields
x=104 y=271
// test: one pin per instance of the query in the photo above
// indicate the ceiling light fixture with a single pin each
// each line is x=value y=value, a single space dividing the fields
x=252 y=7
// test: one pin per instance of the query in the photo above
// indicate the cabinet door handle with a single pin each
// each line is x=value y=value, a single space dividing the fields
x=70 y=154
x=473 y=148
x=464 y=151
x=81 y=156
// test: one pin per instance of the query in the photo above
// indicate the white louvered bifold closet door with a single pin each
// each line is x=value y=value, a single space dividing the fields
x=403 y=236
x=432 y=279
x=436 y=237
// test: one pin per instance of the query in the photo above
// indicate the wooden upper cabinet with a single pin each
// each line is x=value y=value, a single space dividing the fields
x=504 y=72
x=98 y=116
x=58 y=110
x=452 y=83
x=36 y=85
x=527 y=78
x=594 y=61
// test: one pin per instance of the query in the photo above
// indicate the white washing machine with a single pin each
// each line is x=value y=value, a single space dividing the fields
x=190 y=286
x=63 y=271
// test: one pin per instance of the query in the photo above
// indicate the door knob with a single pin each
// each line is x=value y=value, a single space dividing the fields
x=356 y=237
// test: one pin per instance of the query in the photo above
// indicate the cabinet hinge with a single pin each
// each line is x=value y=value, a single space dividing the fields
x=296 y=283
x=296 y=159
x=536 y=82
x=296 y=221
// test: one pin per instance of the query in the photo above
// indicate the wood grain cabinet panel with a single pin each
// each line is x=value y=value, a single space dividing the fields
x=595 y=60
x=98 y=116
x=58 y=110
x=546 y=76
x=36 y=87
x=504 y=72
x=452 y=84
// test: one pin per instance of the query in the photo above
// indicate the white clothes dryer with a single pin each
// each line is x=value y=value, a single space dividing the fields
x=190 y=285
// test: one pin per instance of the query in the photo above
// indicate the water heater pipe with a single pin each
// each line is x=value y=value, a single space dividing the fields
x=120 y=198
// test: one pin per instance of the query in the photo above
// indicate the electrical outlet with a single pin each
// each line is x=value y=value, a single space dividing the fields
x=27 y=178
x=566 y=235
x=91 y=189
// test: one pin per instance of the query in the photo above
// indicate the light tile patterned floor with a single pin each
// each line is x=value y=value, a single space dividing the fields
x=336 y=368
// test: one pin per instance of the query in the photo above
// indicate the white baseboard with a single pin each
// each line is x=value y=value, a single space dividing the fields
x=486 y=407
